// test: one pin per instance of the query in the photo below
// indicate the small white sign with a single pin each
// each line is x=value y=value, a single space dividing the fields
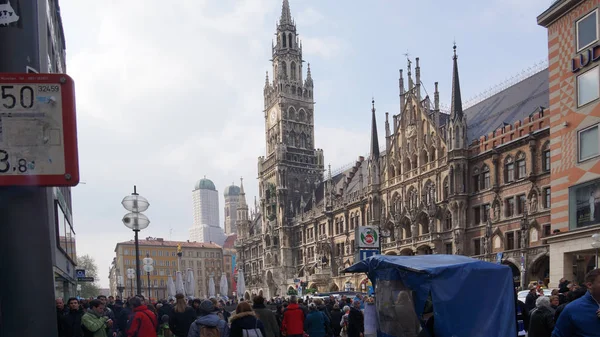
x=367 y=237
x=31 y=130
x=7 y=14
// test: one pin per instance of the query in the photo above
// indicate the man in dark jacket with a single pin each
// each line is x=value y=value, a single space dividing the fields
x=356 y=321
x=541 y=321
x=266 y=316
x=71 y=322
x=530 y=299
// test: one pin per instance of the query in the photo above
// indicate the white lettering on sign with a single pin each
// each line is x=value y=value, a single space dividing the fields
x=31 y=130
x=7 y=14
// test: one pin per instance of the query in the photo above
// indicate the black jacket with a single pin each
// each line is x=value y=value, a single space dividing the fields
x=336 y=317
x=245 y=321
x=356 y=323
x=530 y=301
x=522 y=314
x=180 y=322
x=71 y=324
x=541 y=323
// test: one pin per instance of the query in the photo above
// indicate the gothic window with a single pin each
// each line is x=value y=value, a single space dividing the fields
x=414 y=161
x=292 y=139
x=521 y=168
x=432 y=154
x=412 y=198
x=446 y=190
x=284 y=68
x=485 y=177
x=546 y=157
x=509 y=170
x=424 y=157
x=407 y=164
x=301 y=115
x=293 y=71
x=448 y=221
x=290 y=40
x=451 y=174
x=476 y=179
x=284 y=40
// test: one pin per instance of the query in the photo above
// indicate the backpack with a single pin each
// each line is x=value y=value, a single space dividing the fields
x=252 y=332
x=209 y=331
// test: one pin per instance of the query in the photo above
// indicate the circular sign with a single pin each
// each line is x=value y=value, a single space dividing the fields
x=148 y=268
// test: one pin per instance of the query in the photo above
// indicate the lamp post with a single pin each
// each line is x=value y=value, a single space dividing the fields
x=596 y=245
x=136 y=221
x=148 y=268
x=131 y=276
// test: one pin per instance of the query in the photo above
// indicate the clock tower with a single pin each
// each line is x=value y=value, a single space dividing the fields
x=291 y=167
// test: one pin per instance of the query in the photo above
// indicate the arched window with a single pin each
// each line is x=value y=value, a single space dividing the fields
x=476 y=179
x=485 y=177
x=284 y=40
x=448 y=221
x=521 y=167
x=451 y=174
x=291 y=40
x=546 y=157
x=414 y=161
x=424 y=157
x=446 y=189
x=509 y=170
x=293 y=71
x=284 y=69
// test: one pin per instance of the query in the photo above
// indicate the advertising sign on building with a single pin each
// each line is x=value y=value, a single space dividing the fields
x=584 y=204
x=367 y=237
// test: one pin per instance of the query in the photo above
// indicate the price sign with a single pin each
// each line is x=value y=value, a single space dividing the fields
x=38 y=132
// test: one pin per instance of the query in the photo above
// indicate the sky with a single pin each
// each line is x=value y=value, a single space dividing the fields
x=171 y=91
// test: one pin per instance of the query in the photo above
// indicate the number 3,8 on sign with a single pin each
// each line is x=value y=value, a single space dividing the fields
x=38 y=132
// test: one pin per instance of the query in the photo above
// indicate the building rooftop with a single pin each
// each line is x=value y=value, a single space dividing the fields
x=164 y=243
x=509 y=105
x=231 y=191
x=205 y=184
x=229 y=242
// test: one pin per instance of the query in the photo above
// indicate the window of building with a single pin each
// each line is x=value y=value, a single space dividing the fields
x=476 y=181
x=587 y=30
x=546 y=157
x=509 y=207
x=485 y=181
x=449 y=248
x=477 y=246
x=519 y=238
x=522 y=201
x=510 y=240
x=509 y=170
x=546 y=194
x=521 y=169
x=589 y=143
x=126 y=252
x=547 y=230
x=486 y=212
x=477 y=215
x=588 y=86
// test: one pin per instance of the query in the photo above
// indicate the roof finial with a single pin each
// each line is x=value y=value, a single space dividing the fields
x=454 y=47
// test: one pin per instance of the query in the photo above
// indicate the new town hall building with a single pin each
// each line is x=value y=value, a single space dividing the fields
x=475 y=181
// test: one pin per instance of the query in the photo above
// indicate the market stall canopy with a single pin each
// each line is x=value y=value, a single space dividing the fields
x=470 y=297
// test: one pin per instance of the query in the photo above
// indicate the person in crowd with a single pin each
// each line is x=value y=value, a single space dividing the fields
x=531 y=297
x=144 y=322
x=94 y=320
x=541 y=322
x=302 y=306
x=181 y=317
x=196 y=306
x=244 y=322
x=163 y=329
x=208 y=323
x=356 y=321
x=359 y=298
x=581 y=318
x=266 y=316
x=123 y=318
x=554 y=303
x=571 y=296
x=111 y=303
x=293 y=319
x=562 y=285
x=71 y=322
x=221 y=310
x=336 y=318
x=60 y=312
x=112 y=331
x=370 y=314
x=344 y=321
x=522 y=316
x=428 y=319
x=315 y=322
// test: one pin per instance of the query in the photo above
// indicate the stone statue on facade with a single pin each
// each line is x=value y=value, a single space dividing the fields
x=533 y=204
x=413 y=230
x=432 y=228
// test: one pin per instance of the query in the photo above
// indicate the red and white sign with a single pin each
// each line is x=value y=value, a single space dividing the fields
x=38 y=130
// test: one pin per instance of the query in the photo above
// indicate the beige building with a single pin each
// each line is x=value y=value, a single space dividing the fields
x=203 y=258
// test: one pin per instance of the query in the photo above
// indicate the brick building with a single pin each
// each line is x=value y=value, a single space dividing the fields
x=573 y=52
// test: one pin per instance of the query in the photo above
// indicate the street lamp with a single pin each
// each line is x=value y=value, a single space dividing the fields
x=136 y=221
x=148 y=268
x=596 y=245
x=131 y=276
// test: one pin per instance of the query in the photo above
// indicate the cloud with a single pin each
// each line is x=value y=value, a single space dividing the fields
x=327 y=47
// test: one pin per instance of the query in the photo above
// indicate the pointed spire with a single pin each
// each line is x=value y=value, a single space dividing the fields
x=243 y=203
x=456 y=110
x=374 y=138
x=309 y=81
x=267 y=79
x=286 y=14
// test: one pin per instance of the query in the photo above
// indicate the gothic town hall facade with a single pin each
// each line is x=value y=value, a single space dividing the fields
x=474 y=181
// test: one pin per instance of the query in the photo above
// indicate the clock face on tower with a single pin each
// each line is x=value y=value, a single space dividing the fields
x=273 y=117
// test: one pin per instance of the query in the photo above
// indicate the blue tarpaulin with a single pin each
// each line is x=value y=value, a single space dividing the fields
x=471 y=298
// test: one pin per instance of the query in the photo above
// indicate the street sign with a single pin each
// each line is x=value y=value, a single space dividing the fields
x=38 y=131
x=85 y=279
x=79 y=273
x=364 y=254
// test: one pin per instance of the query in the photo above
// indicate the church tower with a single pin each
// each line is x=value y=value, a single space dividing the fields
x=292 y=167
x=456 y=138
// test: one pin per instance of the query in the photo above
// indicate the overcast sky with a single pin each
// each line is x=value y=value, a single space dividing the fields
x=171 y=91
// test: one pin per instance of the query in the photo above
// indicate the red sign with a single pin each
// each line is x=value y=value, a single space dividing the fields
x=38 y=130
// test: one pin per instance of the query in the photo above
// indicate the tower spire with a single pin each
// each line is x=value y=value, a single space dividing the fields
x=456 y=111
x=374 y=138
x=243 y=203
x=286 y=15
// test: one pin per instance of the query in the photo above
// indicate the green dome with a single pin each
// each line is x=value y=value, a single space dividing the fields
x=231 y=191
x=205 y=184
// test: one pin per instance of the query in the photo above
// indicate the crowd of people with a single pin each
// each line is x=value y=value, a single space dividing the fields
x=571 y=311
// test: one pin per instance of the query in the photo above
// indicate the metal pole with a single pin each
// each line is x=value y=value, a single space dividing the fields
x=149 y=286
x=138 y=277
x=131 y=287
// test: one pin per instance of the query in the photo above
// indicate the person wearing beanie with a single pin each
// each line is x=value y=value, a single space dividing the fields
x=208 y=322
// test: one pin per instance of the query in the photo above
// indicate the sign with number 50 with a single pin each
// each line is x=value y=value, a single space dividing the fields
x=38 y=131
